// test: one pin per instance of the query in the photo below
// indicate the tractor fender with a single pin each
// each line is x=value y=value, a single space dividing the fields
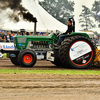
x=79 y=33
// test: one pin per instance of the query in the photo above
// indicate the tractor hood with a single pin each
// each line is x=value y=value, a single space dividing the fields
x=36 y=38
x=21 y=42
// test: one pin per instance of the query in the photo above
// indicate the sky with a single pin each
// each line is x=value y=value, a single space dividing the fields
x=78 y=10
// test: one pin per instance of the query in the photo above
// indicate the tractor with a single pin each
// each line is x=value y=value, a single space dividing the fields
x=75 y=51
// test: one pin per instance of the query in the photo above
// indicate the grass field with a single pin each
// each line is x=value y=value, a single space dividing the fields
x=63 y=72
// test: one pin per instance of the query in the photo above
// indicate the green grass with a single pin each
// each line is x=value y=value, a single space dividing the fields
x=63 y=72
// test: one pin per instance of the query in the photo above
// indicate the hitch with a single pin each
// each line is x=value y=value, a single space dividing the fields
x=9 y=51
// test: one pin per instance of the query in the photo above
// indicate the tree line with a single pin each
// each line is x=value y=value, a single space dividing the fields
x=89 y=16
x=59 y=9
x=63 y=9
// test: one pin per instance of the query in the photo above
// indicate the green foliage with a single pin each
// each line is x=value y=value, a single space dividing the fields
x=85 y=16
x=59 y=9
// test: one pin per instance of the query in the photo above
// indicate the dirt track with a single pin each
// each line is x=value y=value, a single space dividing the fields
x=47 y=87
x=41 y=64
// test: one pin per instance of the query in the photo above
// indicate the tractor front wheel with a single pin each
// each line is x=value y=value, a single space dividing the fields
x=27 y=58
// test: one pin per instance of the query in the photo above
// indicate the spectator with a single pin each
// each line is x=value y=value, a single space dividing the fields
x=92 y=38
x=0 y=34
x=3 y=36
x=25 y=33
x=33 y=33
x=47 y=34
x=17 y=33
x=99 y=41
x=39 y=34
x=51 y=32
x=8 y=37
x=20 y=33
x=11 y=34
x=12 y=37
x=96 y=40
x=1 y=39
x=30 y=33
x=44 y=34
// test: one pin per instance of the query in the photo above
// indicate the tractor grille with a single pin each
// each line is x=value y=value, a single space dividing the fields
x=21 y=40
x=40 y=42
x=40 y=45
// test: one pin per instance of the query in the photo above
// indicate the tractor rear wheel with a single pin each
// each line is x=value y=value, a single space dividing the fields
x=27 y=58
x=57 y=62
x=77 y=52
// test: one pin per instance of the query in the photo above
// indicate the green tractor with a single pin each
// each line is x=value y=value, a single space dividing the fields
x=75 y=51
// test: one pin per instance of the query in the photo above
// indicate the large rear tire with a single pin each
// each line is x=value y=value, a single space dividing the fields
x=77 y=52
x=57 y=62
x=27 y=58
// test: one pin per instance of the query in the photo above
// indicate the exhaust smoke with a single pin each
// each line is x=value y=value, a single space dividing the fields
x=17 y=10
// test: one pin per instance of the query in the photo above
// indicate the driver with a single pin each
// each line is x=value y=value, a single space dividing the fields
x=64 y=35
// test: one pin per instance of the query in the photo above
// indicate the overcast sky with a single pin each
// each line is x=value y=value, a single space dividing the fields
x=78 y=10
